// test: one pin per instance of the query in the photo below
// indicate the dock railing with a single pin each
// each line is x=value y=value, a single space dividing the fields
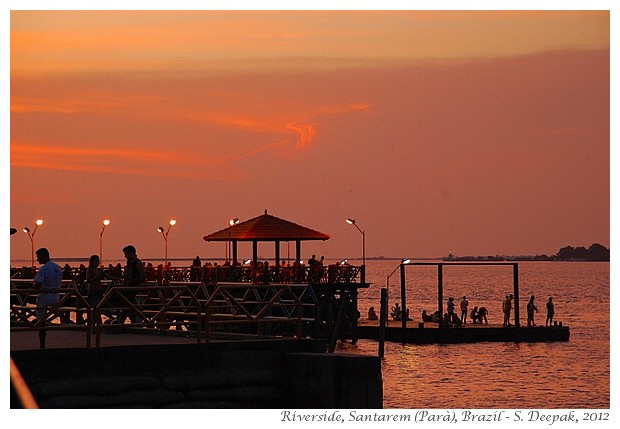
x=149 y=305
x=195 y=308
x=237 y=304
x=64 y=315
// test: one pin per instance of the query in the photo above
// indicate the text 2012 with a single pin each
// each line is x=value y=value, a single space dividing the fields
x=595 y=417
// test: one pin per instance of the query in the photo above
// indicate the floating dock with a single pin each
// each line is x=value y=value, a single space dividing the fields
x=433 y=332
x=430 y=333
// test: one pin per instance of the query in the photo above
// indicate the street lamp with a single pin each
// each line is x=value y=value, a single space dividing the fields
x=351 y=221
x=231 y=223
x=106 y=222
x=31 y=236
x=404 y=261
x=385 y=293
x=165 y=235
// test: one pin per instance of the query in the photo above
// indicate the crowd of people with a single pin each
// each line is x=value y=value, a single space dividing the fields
x=477 y=315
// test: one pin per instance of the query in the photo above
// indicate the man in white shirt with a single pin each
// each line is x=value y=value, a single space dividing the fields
x=48 y=281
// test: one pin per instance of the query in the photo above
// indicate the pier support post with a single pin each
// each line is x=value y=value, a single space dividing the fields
x=515 y=279
x=342 y=311
x=383 y=320
x=440 y=294
x=403 y=296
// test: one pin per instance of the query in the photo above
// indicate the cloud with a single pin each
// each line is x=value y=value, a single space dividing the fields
x=306 y=134
x=120 y=161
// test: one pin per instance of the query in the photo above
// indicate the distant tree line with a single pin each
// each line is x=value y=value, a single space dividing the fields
x=596 y=252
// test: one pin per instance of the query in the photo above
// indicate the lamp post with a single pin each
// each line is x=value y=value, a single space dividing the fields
x=351 y=221
x=165 y=235
x=230 y=257
x=31 y=236
x=106 y=222
x=403 y=261
x=231 y=223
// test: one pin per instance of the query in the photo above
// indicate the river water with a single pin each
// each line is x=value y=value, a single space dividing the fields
x=573 y=374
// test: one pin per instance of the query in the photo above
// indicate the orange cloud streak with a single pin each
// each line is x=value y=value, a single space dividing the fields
x=119 y=161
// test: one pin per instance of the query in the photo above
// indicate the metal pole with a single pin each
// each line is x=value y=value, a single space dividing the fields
x=363 y=257
x=404 y=299
x=32 y=250
x=166 y=250
x=440 y=293
x=515 y=278
x=383 y=320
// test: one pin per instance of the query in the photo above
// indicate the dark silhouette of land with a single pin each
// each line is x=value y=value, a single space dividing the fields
x=595 y=253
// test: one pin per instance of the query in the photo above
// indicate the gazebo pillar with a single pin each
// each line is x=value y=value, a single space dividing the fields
x=234 y=252
x=277 y=266
x=255 y=253
x=298 y=251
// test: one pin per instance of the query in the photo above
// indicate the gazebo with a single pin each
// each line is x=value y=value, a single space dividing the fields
x=266 y=228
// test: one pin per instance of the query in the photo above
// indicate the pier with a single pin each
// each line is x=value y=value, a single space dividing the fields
x=431 y=333
x=251 y=335
x=440 y=332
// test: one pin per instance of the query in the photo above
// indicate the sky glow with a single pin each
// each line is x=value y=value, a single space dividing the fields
x=484 y=132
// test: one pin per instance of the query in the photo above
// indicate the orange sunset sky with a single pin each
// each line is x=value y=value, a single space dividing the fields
x=473 y=132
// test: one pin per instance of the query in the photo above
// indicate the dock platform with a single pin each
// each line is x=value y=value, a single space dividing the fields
x=431 y=333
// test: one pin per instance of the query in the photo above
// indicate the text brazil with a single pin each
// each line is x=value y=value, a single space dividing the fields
x=448 y=416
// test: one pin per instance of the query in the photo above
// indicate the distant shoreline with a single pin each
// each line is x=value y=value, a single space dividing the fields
x=26 y=262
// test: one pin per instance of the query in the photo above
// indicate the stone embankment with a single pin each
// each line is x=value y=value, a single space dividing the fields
x=238 y=374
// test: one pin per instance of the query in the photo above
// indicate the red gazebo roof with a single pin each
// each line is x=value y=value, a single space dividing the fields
x=266 y=228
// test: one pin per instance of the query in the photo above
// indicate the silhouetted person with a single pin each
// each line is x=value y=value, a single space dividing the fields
x=195 y=270
x=506 y=307
x=451 y=313
x=531 y=308
x=48 y=281
x=482 y=315
x=473 y=315
x=464 y=305
x=94 y=275
x=133 y=276
x=396 y=312
x=372 y=314
x=550 y=312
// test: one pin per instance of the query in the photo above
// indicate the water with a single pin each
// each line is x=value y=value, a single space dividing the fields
x=573 y=374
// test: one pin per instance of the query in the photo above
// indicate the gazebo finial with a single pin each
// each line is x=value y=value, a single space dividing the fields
x=265 y=211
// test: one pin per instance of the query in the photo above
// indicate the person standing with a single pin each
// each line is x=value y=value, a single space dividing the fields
x=531 y=308
x=94 y=275
x=451 y=314
x=133 y=276
x=464 y=305
x=48 y=281
x=506 y=307
x=550 y=312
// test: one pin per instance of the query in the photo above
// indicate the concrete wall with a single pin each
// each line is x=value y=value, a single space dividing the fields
x=239 y=374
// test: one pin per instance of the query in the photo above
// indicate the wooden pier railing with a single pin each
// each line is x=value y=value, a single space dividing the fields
x=197 y=308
